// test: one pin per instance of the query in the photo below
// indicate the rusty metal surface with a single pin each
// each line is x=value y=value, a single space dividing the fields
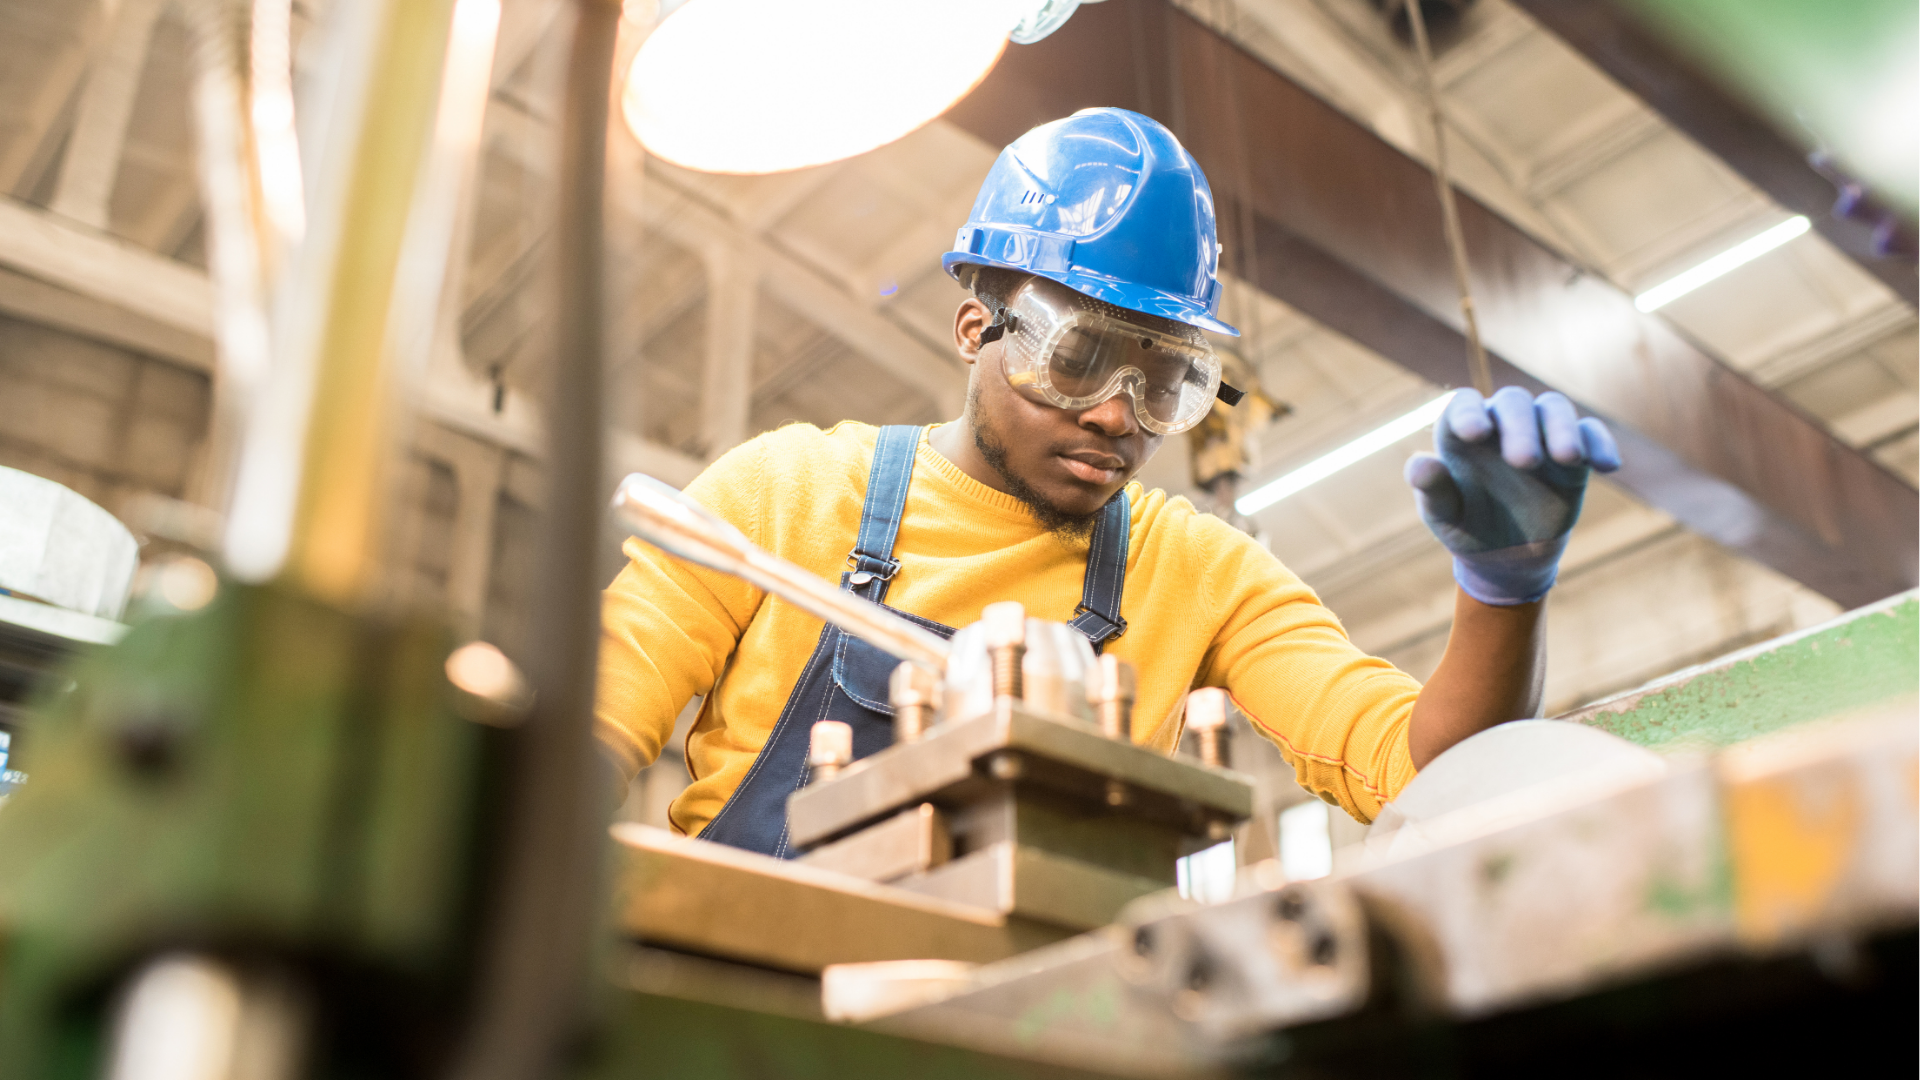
x=913 y=841
x=1821 y=832
x=1801 y=834
x=723 y=902
x=1034 y=883
x=856 y=992
x=1072 y=756
x=688 y=977
x=1067 y=1004
x=1172 y=989
x=1546 y=908
x=1348 y=232
x=1276 y=958
x=689 y=1022
x=1726 y=126
x=1806 y=841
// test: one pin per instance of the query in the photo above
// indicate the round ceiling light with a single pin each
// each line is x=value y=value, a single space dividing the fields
x=760 y=86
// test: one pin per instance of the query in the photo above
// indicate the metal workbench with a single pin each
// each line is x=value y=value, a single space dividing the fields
x=1754 y=907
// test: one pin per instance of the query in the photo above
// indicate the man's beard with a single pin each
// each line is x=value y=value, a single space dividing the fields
x=1066 y=526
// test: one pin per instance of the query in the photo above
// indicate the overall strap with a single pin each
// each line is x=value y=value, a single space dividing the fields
x=1098 y=616
x=872 y=562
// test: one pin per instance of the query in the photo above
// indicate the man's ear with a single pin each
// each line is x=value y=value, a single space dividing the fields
x=968 y=322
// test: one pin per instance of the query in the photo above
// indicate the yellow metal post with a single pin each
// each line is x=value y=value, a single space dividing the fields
x=336 y=526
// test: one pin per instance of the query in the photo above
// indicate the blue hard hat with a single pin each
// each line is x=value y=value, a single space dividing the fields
x=1106 y=202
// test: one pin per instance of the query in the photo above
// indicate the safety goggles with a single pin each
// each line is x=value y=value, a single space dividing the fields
x=1066 y=349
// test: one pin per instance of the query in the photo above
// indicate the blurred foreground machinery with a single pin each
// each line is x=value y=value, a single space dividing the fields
x=1713 y=906
x=290 y=834
x=1653 y=923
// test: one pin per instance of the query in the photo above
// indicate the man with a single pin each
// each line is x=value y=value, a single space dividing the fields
x=1092 y=259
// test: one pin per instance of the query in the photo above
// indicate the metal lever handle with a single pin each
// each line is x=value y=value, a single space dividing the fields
x=666 y=518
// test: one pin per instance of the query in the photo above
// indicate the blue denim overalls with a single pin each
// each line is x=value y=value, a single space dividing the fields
x=846 y=678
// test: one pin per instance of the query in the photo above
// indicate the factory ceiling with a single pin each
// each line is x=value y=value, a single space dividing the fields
x=743 y=302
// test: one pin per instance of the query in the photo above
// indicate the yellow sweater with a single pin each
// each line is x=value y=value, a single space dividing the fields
x=1204 y=605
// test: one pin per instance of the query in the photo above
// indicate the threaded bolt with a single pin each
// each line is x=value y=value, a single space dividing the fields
x=915 y=694
x=1110 y=690
x=1006 y=634
x=829 y=749
x=1207 y=719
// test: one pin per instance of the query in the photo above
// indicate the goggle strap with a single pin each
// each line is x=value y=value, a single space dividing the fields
x=1229 y=394
x=1003 y=323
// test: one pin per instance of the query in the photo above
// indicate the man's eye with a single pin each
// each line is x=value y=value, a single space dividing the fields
x=1165 y=370
x=1073 y=355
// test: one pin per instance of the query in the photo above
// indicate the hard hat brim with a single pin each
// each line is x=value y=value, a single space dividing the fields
x=1147 y=301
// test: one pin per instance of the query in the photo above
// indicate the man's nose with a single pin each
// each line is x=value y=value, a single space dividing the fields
x=1113 y=417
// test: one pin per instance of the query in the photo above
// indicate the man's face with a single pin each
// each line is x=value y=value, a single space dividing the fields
x=1068 y=461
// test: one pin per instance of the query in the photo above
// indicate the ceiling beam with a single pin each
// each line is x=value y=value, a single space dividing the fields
x=453 y=396
x=92 y=159
x=32 y=300
x=684 y=218
x=1606 y=34
x=58 y=275
x=1348 y=232
x=39 y=115
x=726 y=385
x=876 y=338
x=169 y=217
x=40 y=245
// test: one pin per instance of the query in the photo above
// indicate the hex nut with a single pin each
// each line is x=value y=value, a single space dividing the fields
x=830 y=742
x=1005 y=624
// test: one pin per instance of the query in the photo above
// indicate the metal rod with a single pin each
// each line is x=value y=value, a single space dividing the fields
x=1477 y=366
x=333 y=549
x=242 y=256
x=533 y=963
x=669 y=520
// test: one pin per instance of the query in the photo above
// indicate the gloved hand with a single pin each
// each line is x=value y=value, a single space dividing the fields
x=1505 y=506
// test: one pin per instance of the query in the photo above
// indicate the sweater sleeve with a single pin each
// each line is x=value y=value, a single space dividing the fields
x=668 y=627
x=1338 y=715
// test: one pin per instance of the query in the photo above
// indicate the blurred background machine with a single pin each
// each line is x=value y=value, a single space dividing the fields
x=289 y=825
x=66 y=568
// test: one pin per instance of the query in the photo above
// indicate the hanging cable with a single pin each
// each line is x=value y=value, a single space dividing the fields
x=1477 y=366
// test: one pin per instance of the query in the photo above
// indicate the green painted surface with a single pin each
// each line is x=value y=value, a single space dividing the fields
x=1869 y=658
x=1677 y=897
x=1097 y=1006
x=1833 y=74
x=267 y=774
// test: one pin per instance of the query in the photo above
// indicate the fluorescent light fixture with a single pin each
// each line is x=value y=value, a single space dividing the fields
x=1722 y=264
x=761 y=86
x=1327 y=464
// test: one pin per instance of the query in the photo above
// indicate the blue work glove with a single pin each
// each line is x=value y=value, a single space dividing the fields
x=1504 y=506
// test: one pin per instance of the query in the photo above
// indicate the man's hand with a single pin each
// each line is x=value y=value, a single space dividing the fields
x=1505 y=506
